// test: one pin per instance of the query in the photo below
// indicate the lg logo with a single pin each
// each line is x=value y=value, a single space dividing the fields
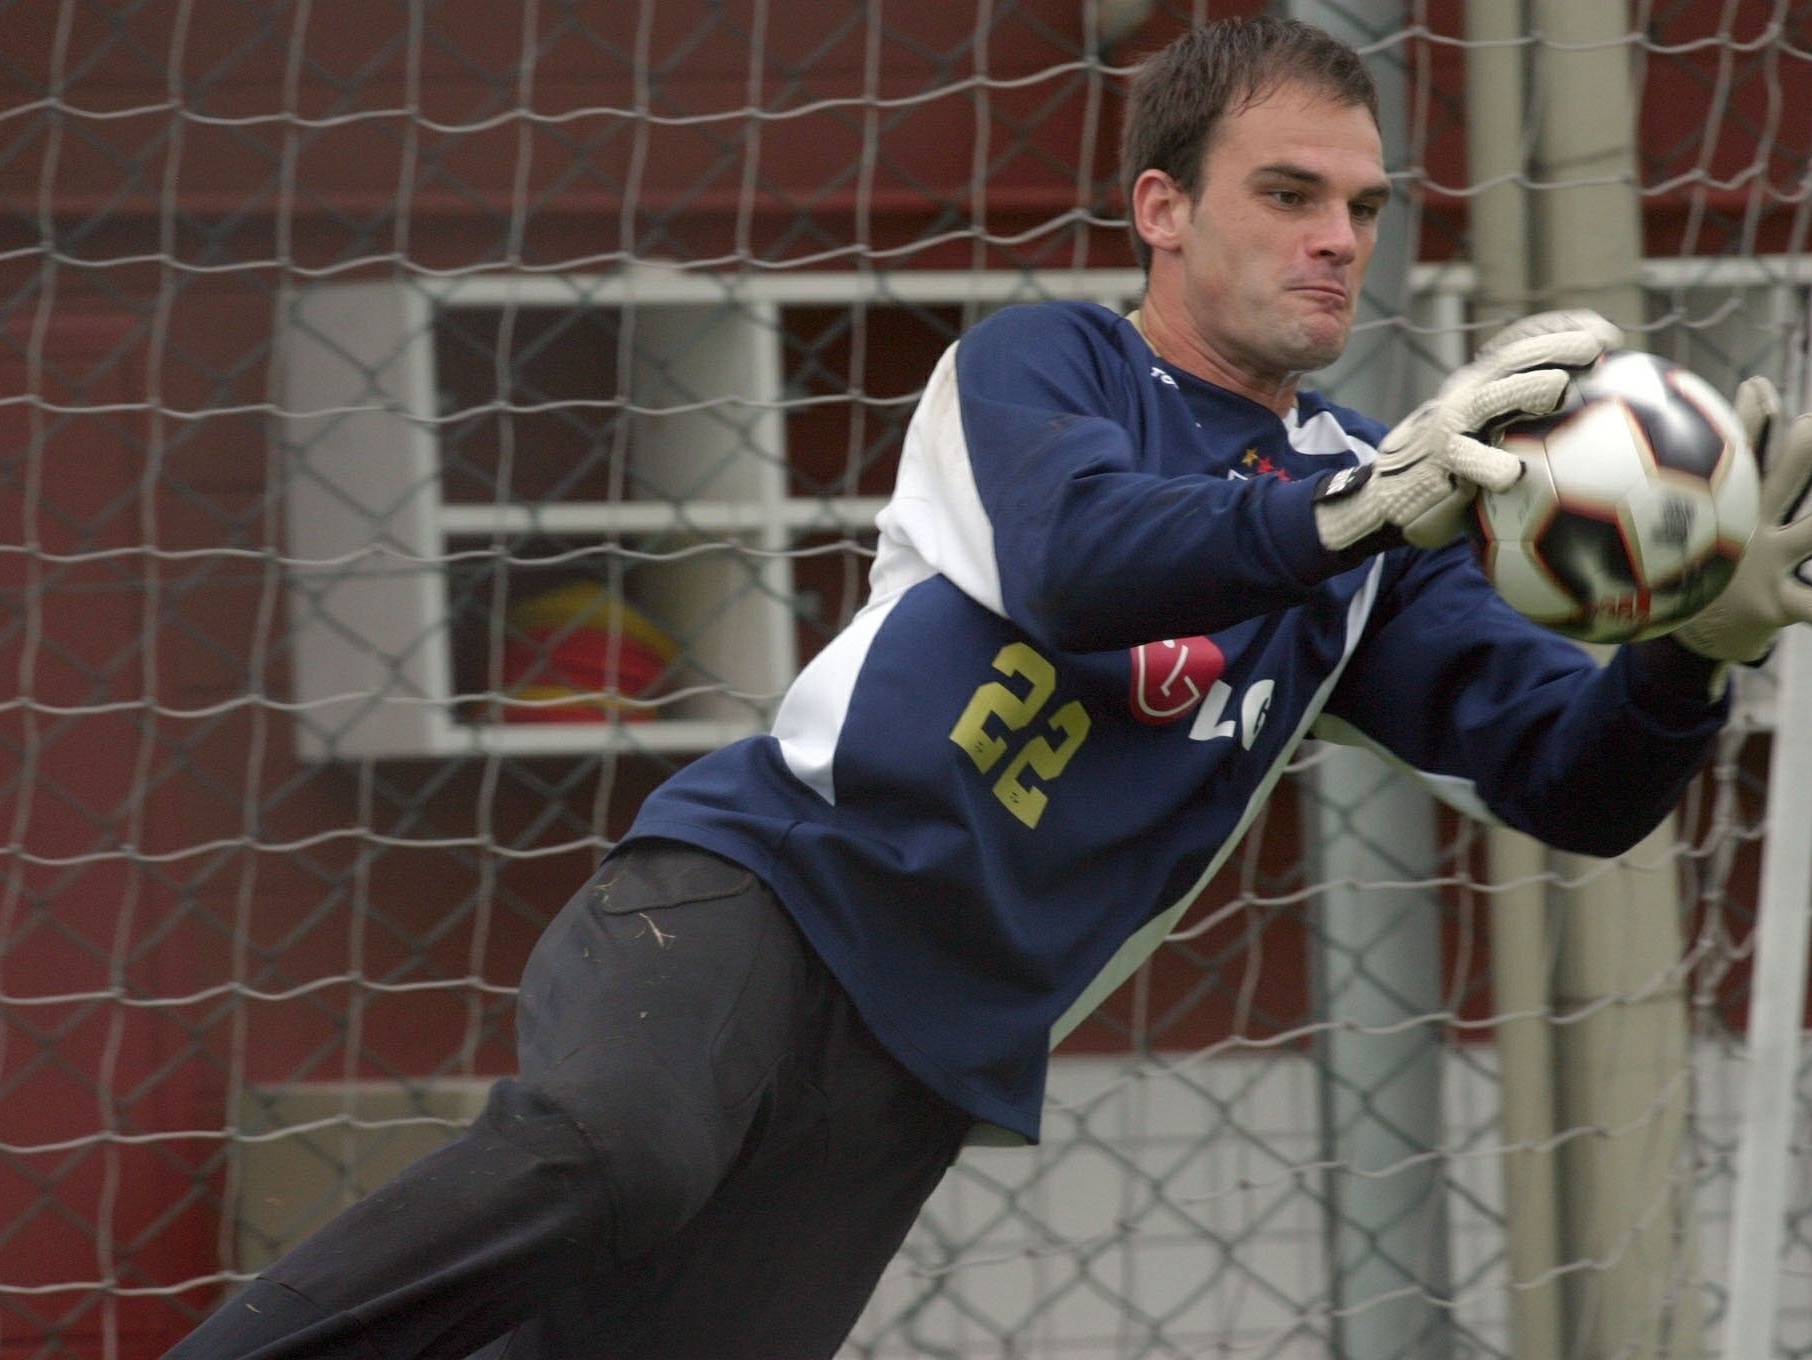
x=1254 y=707
x=1180 y=676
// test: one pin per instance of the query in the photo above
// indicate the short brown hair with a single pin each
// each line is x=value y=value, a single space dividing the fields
x=1178 y=97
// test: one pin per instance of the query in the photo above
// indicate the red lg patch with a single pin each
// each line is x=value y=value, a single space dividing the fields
x=1169 y=679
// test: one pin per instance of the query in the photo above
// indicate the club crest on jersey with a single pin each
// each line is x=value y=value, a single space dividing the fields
x=1170 y=678
x=1257 y=464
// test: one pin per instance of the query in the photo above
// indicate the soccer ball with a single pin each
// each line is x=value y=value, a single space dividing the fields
x=1636 y=500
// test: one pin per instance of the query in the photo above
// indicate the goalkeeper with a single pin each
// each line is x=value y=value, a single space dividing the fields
x=1129 y=563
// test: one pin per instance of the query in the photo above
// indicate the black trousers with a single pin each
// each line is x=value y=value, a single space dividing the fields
x=706 y=1156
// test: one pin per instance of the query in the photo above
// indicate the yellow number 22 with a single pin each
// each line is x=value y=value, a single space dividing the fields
x=1015 y=710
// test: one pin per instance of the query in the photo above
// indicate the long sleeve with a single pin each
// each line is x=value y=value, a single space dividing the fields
x=1584 y=757
x=1061 y=478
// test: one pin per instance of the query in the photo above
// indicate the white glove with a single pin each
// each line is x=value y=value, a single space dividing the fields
x=1767 y=593
x=1431 y=465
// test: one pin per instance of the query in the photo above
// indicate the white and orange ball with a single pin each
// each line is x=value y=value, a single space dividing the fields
x=1637 y=498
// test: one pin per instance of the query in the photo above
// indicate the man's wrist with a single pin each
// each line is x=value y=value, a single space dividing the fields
x=1665 y=668
x=1349 y=521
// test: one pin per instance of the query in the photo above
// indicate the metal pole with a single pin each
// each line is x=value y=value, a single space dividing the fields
x=1497 y=154
x=1520 y=959
x=1623 y=1062
x=1777 y=1002
x=1378 y=964
x=1588 y=209
x=1379 y=967
x=1625 y=1085
x=1497 y=146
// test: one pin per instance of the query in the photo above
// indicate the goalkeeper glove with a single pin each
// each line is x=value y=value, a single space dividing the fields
x=1431 y=465
x=1767 y=592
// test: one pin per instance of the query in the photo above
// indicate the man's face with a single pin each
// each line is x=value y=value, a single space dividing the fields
x=1274 y=248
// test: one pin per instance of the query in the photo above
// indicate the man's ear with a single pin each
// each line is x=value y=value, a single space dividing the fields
x=1160 y=210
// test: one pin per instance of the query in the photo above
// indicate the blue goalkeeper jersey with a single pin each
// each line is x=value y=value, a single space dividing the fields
x=1100 y=622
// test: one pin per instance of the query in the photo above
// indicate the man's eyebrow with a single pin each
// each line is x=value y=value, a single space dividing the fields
x=1378 y=192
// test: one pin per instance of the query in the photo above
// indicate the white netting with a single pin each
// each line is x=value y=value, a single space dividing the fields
x=361 y=362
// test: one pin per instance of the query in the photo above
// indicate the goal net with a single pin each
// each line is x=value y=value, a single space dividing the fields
x=427 y=424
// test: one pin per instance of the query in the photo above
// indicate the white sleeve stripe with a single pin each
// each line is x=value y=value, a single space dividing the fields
x=935 y=521
x=810 y=721
x=1323 y=435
